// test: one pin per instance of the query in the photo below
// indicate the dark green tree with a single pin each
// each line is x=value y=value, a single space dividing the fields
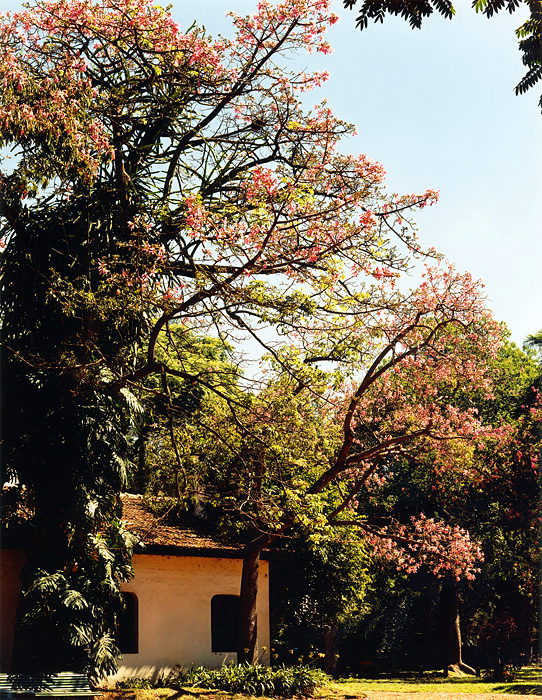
x=64 y=442
x=534 y=343
x=317 y=587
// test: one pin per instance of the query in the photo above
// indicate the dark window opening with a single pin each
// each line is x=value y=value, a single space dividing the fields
x=224 y=622
x=128 y=625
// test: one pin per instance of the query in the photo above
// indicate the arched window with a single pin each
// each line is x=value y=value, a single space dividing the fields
x=224 y=622
x=128 y=625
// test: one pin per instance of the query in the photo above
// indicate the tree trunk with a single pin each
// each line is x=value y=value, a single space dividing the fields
x=330 y=645
x=248 y=620
x=449 y=631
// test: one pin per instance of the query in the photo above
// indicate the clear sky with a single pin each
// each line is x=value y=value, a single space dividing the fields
x=437 y=108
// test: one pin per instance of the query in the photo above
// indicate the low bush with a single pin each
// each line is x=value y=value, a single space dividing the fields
x=284 y=681
x=250 y=679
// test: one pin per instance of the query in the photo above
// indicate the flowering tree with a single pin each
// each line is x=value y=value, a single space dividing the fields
x=494 y=496
x=161 y=180
x=308 y=453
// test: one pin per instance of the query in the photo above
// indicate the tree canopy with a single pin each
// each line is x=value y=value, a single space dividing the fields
x=162 y=187
x=497 y=500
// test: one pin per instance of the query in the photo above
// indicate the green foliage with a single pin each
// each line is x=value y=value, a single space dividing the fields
x=79 y=606
x=250 y=679
x=316 y=587
x=498 y=502
x=64 y=429
x=413 y=12
x=168 y=438
x=323 y=583
x=67 y=451
x=274 y=442
x=135 y=684
x=533 y=344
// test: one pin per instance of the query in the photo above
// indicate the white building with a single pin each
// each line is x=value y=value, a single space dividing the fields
x=181 y=604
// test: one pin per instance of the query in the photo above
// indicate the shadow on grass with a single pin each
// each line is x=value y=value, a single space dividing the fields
x=528 y=681
x=530 y=673
x=520 y=688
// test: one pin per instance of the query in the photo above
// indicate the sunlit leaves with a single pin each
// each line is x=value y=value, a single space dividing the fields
x=169 y=198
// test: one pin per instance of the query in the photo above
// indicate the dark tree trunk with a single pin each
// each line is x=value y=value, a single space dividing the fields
x=330 y=646
x=248 y=620
x=449 y=631
x=40 y=644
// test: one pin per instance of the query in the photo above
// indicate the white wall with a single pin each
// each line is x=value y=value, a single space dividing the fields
x=174 y=608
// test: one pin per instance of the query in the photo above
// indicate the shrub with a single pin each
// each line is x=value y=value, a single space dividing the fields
x=252 y=680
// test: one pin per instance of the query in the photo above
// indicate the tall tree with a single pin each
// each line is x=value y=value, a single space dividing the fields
x=302 y=453
x=534 y=342
x=494 y=496
x=161 y=179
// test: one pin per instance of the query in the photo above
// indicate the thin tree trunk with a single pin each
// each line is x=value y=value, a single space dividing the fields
x=449 y=630
x=330 y=646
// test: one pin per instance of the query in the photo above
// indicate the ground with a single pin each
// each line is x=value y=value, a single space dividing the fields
x=168 y=694
x=527 y=685
x=380 y=695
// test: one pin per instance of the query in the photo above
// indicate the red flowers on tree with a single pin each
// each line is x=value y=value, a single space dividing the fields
x=161 y=181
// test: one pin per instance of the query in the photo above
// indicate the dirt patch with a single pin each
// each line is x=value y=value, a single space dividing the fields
x=387 y=695
x=169 y=694
x=200 y=694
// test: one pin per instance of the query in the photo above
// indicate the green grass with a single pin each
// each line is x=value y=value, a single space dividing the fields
x=528 y=681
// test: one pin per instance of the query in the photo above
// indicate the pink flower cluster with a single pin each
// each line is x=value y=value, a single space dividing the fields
x=428 y=542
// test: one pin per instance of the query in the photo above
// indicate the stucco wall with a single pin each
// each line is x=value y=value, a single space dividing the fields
x=174 y=609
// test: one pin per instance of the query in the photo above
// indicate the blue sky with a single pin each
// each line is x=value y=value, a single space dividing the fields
x=437 y=108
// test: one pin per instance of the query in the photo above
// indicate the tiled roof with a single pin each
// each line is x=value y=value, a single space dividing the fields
x=169 y=534
x=172 y=534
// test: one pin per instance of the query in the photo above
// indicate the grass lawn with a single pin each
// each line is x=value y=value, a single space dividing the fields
x=528 y=681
